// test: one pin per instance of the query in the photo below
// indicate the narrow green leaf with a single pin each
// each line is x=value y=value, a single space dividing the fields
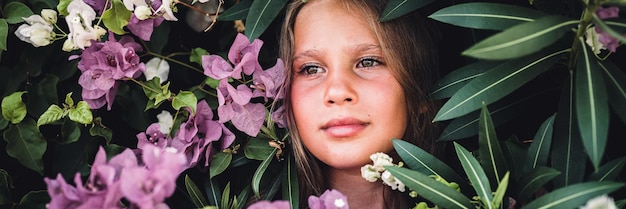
x=501 y=191
x=4 y=32
x=591 y=104
x=257 y=149
x=419 y=160
x=26 y=144
x=476 y=175
x=13 y=108
x=238 y=11
x=15 y=11
x=522 y=39
x=607 y=29
x=194 y=193
x=455 y=80
x=261 y=14
x=616 y=87
x=609 y=171
x=533 y=181
x=271 y=191
x=291 y=189
x=258 y=174
x=485 y=15
x=116 y=17
x=6 y=184
x=490 y=152
x=243 y=195
x=34 y=200
x=53 y=114
x=397 y=8
x=514 y=152
x=220 y=162
x=434 y=191
x=214 y=193
x=226 y=196
x=539 y=149
x=573 y=196
x=81 y=113
x=185 y=99
x=566 y=157
x=497 y=83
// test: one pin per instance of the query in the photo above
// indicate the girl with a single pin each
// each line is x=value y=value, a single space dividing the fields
x=353 y=84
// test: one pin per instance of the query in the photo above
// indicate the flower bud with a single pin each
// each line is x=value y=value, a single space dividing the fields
x=99 y=31
x=69 y=45
x=143 y=12
x=41 y=37
x=49 y=15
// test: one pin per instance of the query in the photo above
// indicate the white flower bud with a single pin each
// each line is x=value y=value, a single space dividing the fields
x=380 y=160
x=369 y=173
x=143 y=12
x=99 y=31
x=166 y=122
x=157 y=67
x=69 y=45
x=49 y=15
x=41 y=37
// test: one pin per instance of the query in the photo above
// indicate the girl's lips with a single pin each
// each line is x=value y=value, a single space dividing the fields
x=344 y=127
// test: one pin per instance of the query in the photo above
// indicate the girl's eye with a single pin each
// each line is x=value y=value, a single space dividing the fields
x=311 y=70
x=368 y=62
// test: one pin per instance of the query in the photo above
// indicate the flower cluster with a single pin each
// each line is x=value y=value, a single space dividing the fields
x=235 y=103
x=38 y=29
x=377 y=171
x=330 y=199
x=144 y=185
x=599 y=39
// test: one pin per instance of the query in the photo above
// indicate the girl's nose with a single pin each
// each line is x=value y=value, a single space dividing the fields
x=340 y=88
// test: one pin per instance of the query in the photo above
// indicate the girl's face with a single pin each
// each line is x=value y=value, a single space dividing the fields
x=346 y=102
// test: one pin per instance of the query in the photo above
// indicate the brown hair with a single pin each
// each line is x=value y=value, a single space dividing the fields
x=409 y=50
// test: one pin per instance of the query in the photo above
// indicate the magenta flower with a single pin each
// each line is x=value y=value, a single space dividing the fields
x=278 y=204
x=242 y=54
x=62 y=195
x=153 y=136
x=234 y=105
x=330 y=199
x=267 y=82
x=144 y=28
x=611 y=43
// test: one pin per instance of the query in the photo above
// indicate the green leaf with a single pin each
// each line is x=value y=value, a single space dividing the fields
x=70 y=132
x=291 y=190
x=3 y=123
x=261 y=14
x=455 y=80
x=116 y=17
x=397 y=8
x=609 y=171
x=13 y=109
x=490 y=152
x=501 y=191
x=98 y=129
x=4 y=32
x=616 y=87
x=194 y=193
x=220 y=162
x=573 y=196
x=6 y=184
x=62 y=7
x=484 y=15
x=185 y=99
x=269 y=193
x=238 y=11
x=42 y=94
x=34 y=200
x=213 y=191
x=257 y=149
x=243 y=195
x=570 y=151
x=226 y=196
x=196 y=55
x=522 y=39
x=591 y=104
x=476 y=174
x=533 y=181
x=434 y=191
x=497 y=83
x=539 y=149
x=419 y=160
x=81 y=113
x=26 y=144
x=68 y=99
x=53 y=114
x=514 y=152
x=607 y=29
x=15 y=11
x=258 y=174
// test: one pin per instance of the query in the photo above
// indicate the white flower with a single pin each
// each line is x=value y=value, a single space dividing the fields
x=166 y=9
x=69 y=45
x=157 y=67
x=389 y=180
x=600 y=202
x=131 y=4
x=36 y=31
x=79 y=21
x=49 y=15
x=369 y=173
x=143 y=12
x=380 y=160
x=166 y=121
x=593 y=40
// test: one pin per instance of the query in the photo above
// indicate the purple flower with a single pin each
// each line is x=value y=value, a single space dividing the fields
x=153 y=135
x=62 y=195
x=279 y=118
x=611 y=43
x=330 y=199
x=234 y=105
x=278 y=204
x=267 y=82
x=144 y=28
x=243 y=54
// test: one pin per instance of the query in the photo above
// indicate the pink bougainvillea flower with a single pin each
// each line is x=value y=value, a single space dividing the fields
x=278 y=204
x=609 y=42
x=235 y=106
x=330 y=199
x=144 y=28
x=242 y=54
x=267 y=82
x=62 y=195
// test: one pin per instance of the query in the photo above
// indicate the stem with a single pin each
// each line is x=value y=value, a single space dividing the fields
x=585 y=21
x=144 y=86
x=168 y=58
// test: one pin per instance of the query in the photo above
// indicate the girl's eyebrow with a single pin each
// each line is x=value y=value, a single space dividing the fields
x=366 y=47
x=308 y=53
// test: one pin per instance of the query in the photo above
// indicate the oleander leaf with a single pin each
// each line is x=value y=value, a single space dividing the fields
x=194 y=193
x=521 y=40
x=455 y=80
x=291 y=190
x=238 y=11
x=476 y=175
x=485 y=15
x=533 y=181
x=258 y=174
x=397 y=8
x=616 y=87
x=608 y=171
x=539 y=149
x=214 y=193
x=261 y=15
x=573 y=196
x=492 y=158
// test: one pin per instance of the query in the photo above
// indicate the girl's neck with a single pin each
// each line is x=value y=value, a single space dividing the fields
x=360 y=193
